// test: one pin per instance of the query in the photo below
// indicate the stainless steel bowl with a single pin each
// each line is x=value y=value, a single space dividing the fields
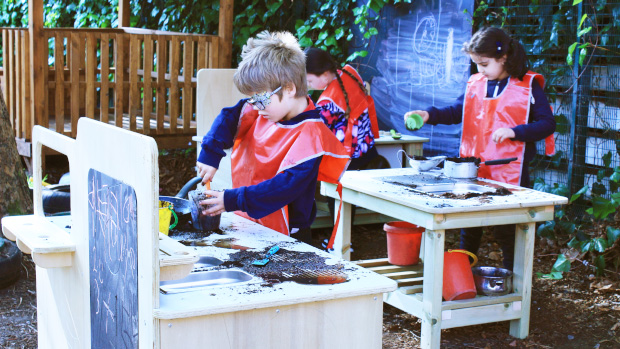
x=492 y=281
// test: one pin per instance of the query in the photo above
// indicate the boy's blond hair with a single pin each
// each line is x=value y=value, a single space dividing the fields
x=271 y=60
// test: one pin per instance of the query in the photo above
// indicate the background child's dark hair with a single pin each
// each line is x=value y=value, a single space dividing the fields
x=319 y=61
x=493 y=42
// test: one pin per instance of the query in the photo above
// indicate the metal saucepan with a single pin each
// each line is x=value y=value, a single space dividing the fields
x=467 y=168
x=421 y=163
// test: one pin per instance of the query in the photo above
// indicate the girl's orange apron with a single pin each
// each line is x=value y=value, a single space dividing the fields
x=359 y=101
x=263 y=149
x=483 y=115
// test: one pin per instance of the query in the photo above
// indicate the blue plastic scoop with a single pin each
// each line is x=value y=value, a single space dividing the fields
x=271 y=252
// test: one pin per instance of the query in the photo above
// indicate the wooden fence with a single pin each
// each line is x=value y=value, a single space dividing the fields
x=141 y=80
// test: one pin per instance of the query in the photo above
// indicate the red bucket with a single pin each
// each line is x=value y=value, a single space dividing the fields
x=403 y=242
x=458 y=279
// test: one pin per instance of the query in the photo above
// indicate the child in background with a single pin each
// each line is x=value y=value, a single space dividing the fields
x=344 y=106
x=503 y=112
x=280 y=144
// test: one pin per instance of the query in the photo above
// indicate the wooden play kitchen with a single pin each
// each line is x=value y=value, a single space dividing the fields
x=436 y=202
x=107 y=278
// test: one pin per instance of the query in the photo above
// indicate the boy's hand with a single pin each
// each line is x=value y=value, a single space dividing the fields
x=206 y=172
x=422 y=113
x=217 y=200
x=502 y=134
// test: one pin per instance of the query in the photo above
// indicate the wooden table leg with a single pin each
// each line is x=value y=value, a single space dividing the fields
x=342 y=242
x=522 y=277
x=432 y=288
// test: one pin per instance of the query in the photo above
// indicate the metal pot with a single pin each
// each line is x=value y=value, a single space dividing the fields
x=491 y=281
x=181 y=207
x=423 y=164
x=468 y=168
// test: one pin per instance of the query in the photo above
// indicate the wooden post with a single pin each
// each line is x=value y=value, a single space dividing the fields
x=38 y=59
x=124 y=13
x=225 y=33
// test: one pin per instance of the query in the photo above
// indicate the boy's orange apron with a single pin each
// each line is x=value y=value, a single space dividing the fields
x=358 y=101
x=483 y=115
x=263 y=149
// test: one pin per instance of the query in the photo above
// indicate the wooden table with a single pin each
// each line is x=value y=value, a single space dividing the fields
x=420 y=286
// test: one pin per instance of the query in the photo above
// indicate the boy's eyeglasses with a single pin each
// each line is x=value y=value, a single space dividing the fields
x=262 y=100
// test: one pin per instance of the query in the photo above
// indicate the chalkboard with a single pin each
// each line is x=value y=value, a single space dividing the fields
x=113 y=245
x=416 y=62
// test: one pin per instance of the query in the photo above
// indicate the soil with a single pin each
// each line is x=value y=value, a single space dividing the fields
x=578 y=311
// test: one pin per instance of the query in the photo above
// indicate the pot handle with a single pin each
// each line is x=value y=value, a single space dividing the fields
x=499 y=161
x=467 y=253
x=400 y=157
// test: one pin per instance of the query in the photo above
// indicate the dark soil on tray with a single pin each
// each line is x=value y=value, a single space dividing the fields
x=579 y=311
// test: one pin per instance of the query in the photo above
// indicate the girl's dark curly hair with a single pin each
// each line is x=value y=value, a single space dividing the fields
x=493 y=42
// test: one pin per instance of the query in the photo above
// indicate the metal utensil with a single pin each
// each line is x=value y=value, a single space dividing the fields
x=271 y=252
x=422 y=165
x=469 y=169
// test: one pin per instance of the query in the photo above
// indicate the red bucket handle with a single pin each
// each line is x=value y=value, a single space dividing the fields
x=467 y=253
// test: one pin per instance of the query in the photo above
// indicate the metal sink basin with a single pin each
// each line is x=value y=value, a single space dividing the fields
x=454 y=188
x=206 y=262
x=204 y=279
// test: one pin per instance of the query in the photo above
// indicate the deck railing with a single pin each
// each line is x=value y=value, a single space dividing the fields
x=141 y=80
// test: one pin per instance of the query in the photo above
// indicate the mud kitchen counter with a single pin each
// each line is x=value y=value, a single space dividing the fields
x=262 y=313
x=439 y=203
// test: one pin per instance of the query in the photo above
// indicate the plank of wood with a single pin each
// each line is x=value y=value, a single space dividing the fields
x=147 y=108
x=134 y=93
x=59 y=86
x=19 y=99
x=91 y=65
x=27 y=85
x=173 y=101
x=188 y=95
x=160 y=106
x=36 y=235
x=76 y=56
x=119 y=79
x=105 y=79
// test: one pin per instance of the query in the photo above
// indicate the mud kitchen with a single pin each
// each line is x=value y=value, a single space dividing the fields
x=107 y=278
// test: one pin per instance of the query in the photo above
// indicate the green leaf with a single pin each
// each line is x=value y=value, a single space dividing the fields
x=330 y=41
x=600 y=245
x=554 y=275
x=613 y=234
x=587 y=246
x=320 y=23
x=569 y=56
x=546 y=229
x=322 y=36
x=616 y=175
x=602 y=207
x=578 y=194
x=575 y=2
x=373 y=31
x=574 y=243
x=560 y=189
x=607 y=158
x=583 y=18
x=567 y=227
x=571 y=48
x=584 y=31
x=339 y=33
x=561 y=264
x=582 y=55
x=305 y=42
x=598 y=188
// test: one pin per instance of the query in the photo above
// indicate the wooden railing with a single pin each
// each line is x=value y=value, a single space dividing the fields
x=141 y=80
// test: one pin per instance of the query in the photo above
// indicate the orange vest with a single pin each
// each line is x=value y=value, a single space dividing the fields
x=262 y=149
x=483 y=115
x=359 y=102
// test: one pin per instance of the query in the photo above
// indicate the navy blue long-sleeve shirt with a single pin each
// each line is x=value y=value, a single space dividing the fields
x=294 y=187
x=541 y=122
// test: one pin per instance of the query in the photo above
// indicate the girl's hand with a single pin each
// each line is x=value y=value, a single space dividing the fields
x=502 y=134
x=206 y=172
x=422 y=113
x=217 y=200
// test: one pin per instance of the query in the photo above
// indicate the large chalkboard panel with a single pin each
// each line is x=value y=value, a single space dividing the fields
x=113 y=244
x=416 y=62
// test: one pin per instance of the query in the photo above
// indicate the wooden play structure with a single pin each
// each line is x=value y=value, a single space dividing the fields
x=137 y=79
x=99 y=270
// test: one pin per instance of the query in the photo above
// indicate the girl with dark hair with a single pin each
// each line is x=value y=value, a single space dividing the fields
x=503 y=112
x=344 y=106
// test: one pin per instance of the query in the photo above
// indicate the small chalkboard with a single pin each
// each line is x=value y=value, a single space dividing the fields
x=113 y=248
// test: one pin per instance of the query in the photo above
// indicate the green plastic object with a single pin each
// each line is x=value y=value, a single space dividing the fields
x=395 y=134
x=414 y=122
